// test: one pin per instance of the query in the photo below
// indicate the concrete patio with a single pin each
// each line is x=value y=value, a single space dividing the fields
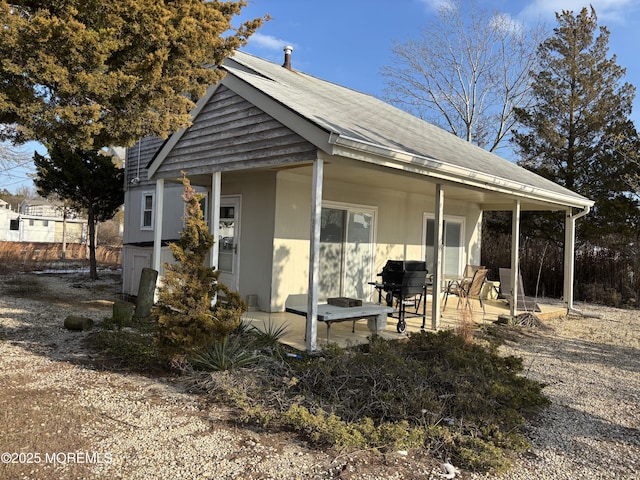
x=341 y=332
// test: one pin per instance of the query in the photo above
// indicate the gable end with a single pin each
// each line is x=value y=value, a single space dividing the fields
x=230 y=133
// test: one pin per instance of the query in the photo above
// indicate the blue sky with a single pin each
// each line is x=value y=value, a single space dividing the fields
x=349 y=41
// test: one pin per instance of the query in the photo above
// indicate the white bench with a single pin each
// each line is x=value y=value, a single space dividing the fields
x=375 y=314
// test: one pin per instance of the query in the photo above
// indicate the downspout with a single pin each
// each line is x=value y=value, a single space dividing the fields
x=569 y=260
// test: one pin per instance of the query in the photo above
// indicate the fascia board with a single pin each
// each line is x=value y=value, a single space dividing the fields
x=397 y=159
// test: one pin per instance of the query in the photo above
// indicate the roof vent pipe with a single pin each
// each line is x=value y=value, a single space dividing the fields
x=287 y=57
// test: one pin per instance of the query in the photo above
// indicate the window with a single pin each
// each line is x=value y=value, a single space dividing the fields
x=31 y=222
x=204 y=207
x=453 y=244
x=14 y=224
x=204 y=202
x=346 y=251
x=147 y=211
x=45 y=223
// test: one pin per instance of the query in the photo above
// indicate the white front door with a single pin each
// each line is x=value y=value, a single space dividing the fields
x=229 y=241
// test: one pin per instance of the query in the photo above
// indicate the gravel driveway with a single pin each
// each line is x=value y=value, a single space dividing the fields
x=62 y=417
x=591 y=367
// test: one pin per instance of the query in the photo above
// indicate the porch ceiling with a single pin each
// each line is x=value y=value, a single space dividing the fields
x=381 y=178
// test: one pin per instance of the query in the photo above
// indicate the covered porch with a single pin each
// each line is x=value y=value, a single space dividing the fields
x=343 y=336
x=400 y=231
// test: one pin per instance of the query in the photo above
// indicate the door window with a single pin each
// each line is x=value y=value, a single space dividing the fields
x=229 y=241
x=227 y=245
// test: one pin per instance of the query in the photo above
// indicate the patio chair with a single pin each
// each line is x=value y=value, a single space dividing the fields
x=506 y=291
x=473 y=289
x=469 y=272
x=455 y=286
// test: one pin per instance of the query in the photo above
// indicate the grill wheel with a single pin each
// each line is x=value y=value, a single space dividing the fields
x=402 y=326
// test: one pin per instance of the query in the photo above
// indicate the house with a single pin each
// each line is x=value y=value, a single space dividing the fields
x=311 y=187
x=38 y=220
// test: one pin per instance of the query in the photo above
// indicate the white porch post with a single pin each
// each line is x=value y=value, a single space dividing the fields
x=515 y=255
x=438 y=249
x=569 y=254
x=157 y=227
x=214 y=216
x=314 y=255
x=569 y=257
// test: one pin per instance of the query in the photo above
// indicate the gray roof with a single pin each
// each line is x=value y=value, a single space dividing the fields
x=366 y=120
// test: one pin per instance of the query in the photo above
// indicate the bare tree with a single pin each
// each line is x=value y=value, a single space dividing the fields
x=466 y=72
x=12 y=158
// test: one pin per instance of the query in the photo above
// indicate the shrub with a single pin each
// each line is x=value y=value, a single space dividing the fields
x=434 y=391
x=132 y=350
x=186 y=317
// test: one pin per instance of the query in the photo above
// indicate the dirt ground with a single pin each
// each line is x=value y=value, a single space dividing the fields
x=66 y=413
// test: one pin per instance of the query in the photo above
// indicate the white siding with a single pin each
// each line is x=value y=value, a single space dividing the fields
x=399 y=227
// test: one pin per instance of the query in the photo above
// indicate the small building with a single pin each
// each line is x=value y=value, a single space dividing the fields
x=310 y=187
x=38 y=220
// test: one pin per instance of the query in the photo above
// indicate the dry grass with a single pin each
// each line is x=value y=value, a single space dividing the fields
x=466 y=326
x=80 y=293
x=25 y=286
x=25 y=257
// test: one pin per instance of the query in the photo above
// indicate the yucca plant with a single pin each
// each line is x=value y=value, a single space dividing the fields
x=270 y=336
x=243 y=329
x=225 y=354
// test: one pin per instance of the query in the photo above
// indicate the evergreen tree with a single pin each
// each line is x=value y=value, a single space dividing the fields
x=577 y=133
x=88 y=180
x=632 y=148
x=101 y=73
x=193 y=308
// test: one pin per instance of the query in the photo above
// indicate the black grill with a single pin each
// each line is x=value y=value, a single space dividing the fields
x=405 y=284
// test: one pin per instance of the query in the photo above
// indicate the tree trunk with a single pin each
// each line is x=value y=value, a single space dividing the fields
x=64 y=232
x=93 y=271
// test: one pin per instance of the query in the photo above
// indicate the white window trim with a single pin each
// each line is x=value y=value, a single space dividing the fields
x=450 y=218
x=142 y=210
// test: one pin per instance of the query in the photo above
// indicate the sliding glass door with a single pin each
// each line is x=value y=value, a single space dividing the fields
x=346 y=251
x=453 y=244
